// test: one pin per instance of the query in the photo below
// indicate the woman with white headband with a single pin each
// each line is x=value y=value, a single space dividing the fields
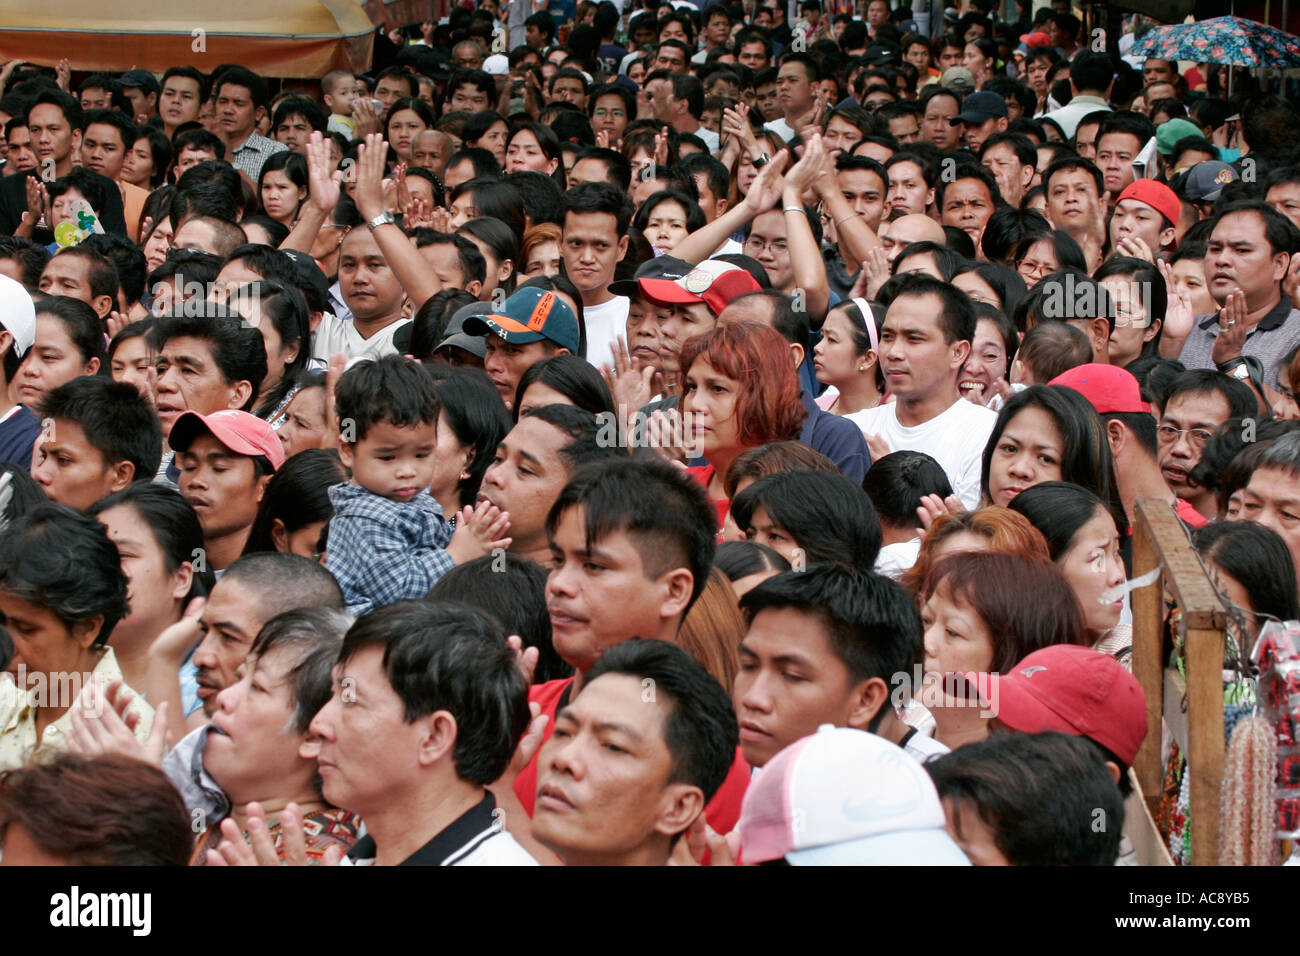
x=845 y=359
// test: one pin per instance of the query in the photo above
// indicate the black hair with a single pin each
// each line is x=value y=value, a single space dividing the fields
x=294 y=167
x=62 y=560
x=192 y=266
x=549 y=144
x=471 y=406
x=1256 y=558
x=237 y=349
x=1065 y=163
x=945 y=258
x=968 y=170
x=440 y=655
x=1268 y=125
x=242 y=76
x=497 y=236
x=1154 y=297
x=299 y=106
x=600 y=198
x=297 y=496
x=1091 y=70
x=1239 y=396
x=478 y=124
x=739 y=559
x=30 y=257
x=1042 y=795
x=127 y=259
x=1010 y=229
x=472 y=264
x=483 y=161
x=897 y=482
x=571 y=376
x=115 y=418
x=191 y=73
x=101 y=274
x=1279 y=231
x=829 y=517
x=695 y=220
x=873 y=624
x=512 y=591
x=198 y=140
x=1128 y=122
x=209 y=200
x=542 y=197
x=960 y=244
x=126 y=130
x=617 y=166
x=392 y=389
x=701 y=732
x=67 y=104
x=1058 y=509
x=80 y=322
x=956 y=312
x=496 y=200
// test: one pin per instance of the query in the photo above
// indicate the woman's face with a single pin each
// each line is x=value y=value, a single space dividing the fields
x=156 y=246
x=1189 y=277
x=278 y=355
x=543 y=260
x=137 y=167
x=62 y=207
x=976 y=62
x=957 y=641
x=666 y=225
x=1093 y=566
x=524 y=152
x=43 y=644
x=494 y=140
x=403 y=127
x=1038 y=261
x=280 y=197
x=636 y=72
x=1133 y=328
x=538 y=394
x=304 y=423
x=155 y=594
x=1235 y=592
x=495 y=268
x=453 y=459
x=745 y=173
x=987 y=363
x=1028 y=452
x=709 y=404
x=836 y=358
x=1286 y=407
x=132 y=362
x=977 y=289
x=763 y=530
x=52 y=360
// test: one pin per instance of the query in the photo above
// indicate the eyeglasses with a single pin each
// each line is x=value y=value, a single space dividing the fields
x=1168 y=434
x=778 y=246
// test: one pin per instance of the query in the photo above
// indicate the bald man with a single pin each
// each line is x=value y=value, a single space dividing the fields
x=913 y=227
x=431 y=149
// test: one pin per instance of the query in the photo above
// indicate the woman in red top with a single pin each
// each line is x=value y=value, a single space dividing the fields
x=739 y=390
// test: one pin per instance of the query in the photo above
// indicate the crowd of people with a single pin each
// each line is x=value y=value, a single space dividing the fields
x=547 y=445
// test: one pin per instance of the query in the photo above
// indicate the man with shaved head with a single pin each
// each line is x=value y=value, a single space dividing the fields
x=913 y=227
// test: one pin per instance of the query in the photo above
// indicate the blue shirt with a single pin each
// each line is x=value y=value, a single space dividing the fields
x=17 y=436
x=384 y=551
x=837 y=438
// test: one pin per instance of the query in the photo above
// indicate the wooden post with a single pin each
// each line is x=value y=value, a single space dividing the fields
x=1160 y=541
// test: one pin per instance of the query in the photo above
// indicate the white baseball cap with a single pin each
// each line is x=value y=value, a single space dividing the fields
x=844 y=797
x=498 y=64
x=17 y=314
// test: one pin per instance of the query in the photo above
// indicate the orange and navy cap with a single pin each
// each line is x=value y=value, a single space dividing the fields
x=529 y=315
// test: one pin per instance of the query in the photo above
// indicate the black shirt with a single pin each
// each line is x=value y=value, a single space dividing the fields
x=13 y=203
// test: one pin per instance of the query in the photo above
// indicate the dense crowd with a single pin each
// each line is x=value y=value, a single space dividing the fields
x=628 y=433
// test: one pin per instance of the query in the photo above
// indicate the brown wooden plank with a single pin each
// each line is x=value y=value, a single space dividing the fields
x=1205 y=740
x=1147 y=635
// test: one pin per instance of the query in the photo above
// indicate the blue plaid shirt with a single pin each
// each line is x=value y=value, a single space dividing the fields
x=383 y=551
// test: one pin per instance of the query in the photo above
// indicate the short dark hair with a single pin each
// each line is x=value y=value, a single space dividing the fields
x=101 y=274
x=127 y=258
x=243 y=76
x=392 y=389
x=897 y=482
x=1066 y=163
x=617 y=167
x=62 y=560
x=1280 y=233
x=281 y=582
x=470 y=258
x=114 y=118
x=662 y=510
x=300 y=106
x=238 y=350
x=1238 y=395
x=30 y=257
x=1091 y=70
x=601 y=198
x=190 y=72
x=1040 y=795
x=956 y=314
x=115 y=418
x=968 y=170
x=313 y=636
x=701 y=732
x=830 y=518
x=543 y=198
x=573 y=377
x=439 y=655
x=584 y=430
x=66 y=102
x=80 y=323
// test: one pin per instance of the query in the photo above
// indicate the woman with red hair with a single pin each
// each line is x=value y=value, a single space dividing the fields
x=739 y=390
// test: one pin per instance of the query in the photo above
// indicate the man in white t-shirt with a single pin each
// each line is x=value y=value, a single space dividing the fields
x=372 y=293
x=796 y=91
x=423 y=795
x=924 y=343
x=596 y=217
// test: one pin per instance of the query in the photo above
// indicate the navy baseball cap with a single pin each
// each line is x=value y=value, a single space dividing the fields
x=530 y=315
x=141 y=78
x=660 y=267
x=980 y=108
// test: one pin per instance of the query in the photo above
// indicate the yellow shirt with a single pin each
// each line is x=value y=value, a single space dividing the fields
x=19 y=743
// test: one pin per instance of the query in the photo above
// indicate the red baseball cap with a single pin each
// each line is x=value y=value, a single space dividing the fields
x=712 y=282
x=242 y=433
x=1156 y=195
x=1073 y=690
x=1108 y=387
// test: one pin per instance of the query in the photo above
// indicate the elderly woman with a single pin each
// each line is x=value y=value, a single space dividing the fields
x=62 y=592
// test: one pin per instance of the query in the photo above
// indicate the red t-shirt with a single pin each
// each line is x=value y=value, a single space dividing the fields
x=722 y=812
x=704 y=474
x=1190 y=515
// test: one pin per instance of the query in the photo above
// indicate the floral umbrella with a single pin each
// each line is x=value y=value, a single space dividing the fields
x=1228 y=40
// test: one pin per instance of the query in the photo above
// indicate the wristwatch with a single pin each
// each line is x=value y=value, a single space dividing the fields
x=1237 y=368
x=763 y=160
x=382 y=219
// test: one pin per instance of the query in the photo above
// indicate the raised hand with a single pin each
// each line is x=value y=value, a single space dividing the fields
x=103 y=723
x=1179 y=315
x=63 y=76
x=631 y=387
x=765 y=190
x=325 y=180
x=178 y=638
x=1291 y=281
x=479 y=531
x=369 y=193
x=1232 y=328
x=1136 y=248
x=259 y=848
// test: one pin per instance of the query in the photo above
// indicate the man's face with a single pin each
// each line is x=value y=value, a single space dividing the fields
x=1239 y=256
x=195 y=234
x=96 y=98
x=180 y=101
x=68 y=275
x=1072 y=200
x=369 y=287
x=231 y=620
x=877 y=13
x=192 y=157
x=52 y=136
x=220 y=485
x=968 y=205
x=864 y=191
x=1196 y=416
x=599 y=593
x=790 y=682
x=840 y=136
x=391 y=89
x=918 y=54
x=763 y=18
x=754 y=56
x=467 y=56
x=603 y=788
x=717 y=30
x=907 y=189
x=189 y=380
x=568 y=89
x=766 y=101
x=21 y=155
x=1154 y=71
x=143 y=103
x=905 y=129
x=102 y=150
x=1139 y=221
x=1284 y=197
x=711 y=205
x=1012 y=178
x=794 y=89
x=469 y=98
x=977 y=133
x=660 y=93
x=672 y=31
x=937 y=128
x=591 y=248
x=236 y=114
x=1115 y=155
x=294 y=131
x=534 y=37
x=680 y=321
x=670 y=58
x=429 y=151
x=950 y=56
x=588 y=171
x=1272 y=498
x=70 y=470
x=355 y=774
x=610 y=115
x=525 y=478
x=916 y=360
x=1086 y=141
x=767 y=242
x=395 y=463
